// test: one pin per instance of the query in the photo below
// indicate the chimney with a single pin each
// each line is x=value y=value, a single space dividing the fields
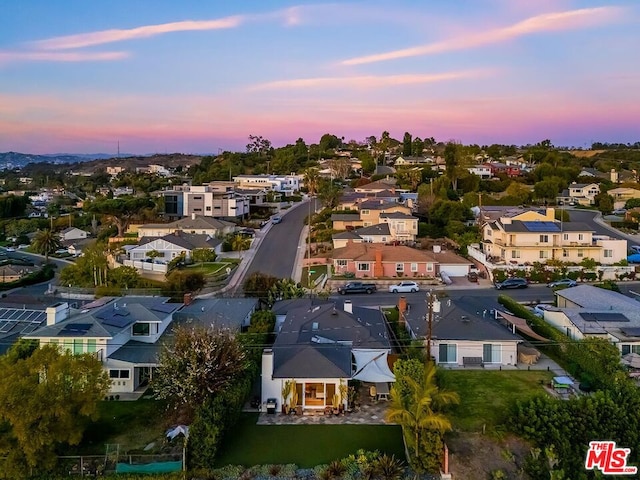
x=378 y=269
x=193 y=216
x=188 y=298
x=348 y=306
x=57 y=313
x=437 y=249
x=402 y=304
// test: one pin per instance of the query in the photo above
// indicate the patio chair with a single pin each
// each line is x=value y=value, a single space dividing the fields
x=373 y=393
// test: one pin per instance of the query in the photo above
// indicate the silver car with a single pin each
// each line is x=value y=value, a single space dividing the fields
x=404 y=287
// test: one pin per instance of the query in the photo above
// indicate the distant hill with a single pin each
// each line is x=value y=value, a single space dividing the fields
x=16 y=159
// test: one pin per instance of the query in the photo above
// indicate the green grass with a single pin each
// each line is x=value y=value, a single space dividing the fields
x=305 y=445
x=133 y=425
x=316 y=270
x=487 y=395
x=210 y=268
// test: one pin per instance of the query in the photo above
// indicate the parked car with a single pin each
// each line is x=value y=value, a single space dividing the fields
x=541 y=308
x=563 y=282
x=514 y=282
x=10 y=249
x=620 y=211
x=634 y=249
x=472 y=277
x=277 y=219
x=404 y=287
x=357 y=287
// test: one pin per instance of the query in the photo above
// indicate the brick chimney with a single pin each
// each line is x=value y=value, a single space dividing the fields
x=378 y=270
x=188 y=298
x=402 y=307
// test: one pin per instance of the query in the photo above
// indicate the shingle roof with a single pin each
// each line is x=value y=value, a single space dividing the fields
x=398 y=215
x=190 y=241
x=199 y=223
x=345 y=217
x=349 y=234
x=219 y=312
x=390 y=253
x=379 y=229
x=316 y=341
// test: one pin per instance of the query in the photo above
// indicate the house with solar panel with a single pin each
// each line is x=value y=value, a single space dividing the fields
x=537 y=237
x=586 y=311
x=18 y=322
x=123 y=333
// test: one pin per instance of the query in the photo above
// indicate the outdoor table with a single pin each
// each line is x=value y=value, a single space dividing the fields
x=382 y=391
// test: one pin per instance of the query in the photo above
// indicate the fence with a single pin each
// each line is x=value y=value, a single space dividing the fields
x=147 y=266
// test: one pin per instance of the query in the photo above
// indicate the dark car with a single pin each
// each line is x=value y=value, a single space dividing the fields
x=512 y=283
x=472 y=277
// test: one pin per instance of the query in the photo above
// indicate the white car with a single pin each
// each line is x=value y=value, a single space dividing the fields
x=539 y=309
x=404 y=287
x=10 y=249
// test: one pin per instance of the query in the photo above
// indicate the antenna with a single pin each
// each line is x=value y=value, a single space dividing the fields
x=118 y=148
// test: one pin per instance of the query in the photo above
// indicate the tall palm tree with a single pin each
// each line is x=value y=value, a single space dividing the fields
x=419 y=410
x=239 y=242
x=46 y=242
x=311 y=178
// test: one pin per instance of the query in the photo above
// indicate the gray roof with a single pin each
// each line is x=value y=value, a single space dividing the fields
x=398 y=215
x=348 y=235
x=198 y=223
x=379 y=229
x=345 y=217
x=519 y=226
x=466 y=319
x=375 y=204
x=315 y=341
x=17 y=322
x=107 y=317
x=590 y=297
x=218 y=312
x=190 y=241
x=140 y=352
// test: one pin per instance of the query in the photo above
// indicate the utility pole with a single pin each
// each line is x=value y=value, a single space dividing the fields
x=433 y=307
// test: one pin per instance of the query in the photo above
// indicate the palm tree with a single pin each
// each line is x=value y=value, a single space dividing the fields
x=46 y=242
x=311 y=178
x=238 y=243
x=419 y=410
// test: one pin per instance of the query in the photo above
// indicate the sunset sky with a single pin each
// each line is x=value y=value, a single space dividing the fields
x=197 y=76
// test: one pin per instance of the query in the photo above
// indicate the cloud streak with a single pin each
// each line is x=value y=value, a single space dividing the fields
x=367 y=81
x=102 y=37
x=548 y=22
x=31 y=56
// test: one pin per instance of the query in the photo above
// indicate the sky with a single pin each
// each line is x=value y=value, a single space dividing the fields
x=160 y=76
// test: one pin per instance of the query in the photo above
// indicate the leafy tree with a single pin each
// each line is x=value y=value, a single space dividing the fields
x=258 y=144
x=407 y=144
x=328 y=193
x=199 y=363
x=179 y=282
x=417 y=146
x=329 y=142
x=519 y=192
x=311 y=179
x=259 y=284
x=404 y=369
x=46 y=400
x=239 y=243
x=548 y=188
x=452 y=159
x=13 y=206
x=90 y=270
x=120 y=210
x=262 y=321
x=124 y=277
x=632 y=203
x=604 y=202
x=45 y=243
x=419 y=413
x=284 y=289
x=202 y=255
x=153 y=254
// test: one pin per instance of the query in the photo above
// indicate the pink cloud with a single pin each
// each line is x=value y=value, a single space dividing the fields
x=118 y=35
x=16 y=56
x=547 y=22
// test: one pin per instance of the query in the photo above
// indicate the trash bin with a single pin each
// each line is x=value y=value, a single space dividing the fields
x=272 y=405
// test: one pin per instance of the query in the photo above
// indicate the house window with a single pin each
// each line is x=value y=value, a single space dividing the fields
x=118 y=373
x=342 y=263
x=515 y=253
x=208 y=209
x=544 y=254
x=197 y=209
x=414 y=267
x=197 y=198
x=140 y=330
x=580 y=253
x=630 y=349
x=491 y=353
x=399 y=267
x=448 y=353
x=580 y=236
x=364 y=212
x=565 y=252
x=384 y=239
x=608 y=253
x=566 y=236
x=363 y=267
x=91 y=345
x=544 y=238
x=429 y=267
x=78 y=347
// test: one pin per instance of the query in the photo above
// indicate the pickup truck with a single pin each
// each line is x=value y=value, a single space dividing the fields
x=357 y=287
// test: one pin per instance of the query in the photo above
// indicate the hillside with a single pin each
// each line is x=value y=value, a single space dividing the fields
x=131 y=163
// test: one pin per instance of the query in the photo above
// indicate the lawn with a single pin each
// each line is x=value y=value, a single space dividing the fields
x=210 y=268
x=133 y=425
x=487 y=395
x=316 y=272
x=304 y=445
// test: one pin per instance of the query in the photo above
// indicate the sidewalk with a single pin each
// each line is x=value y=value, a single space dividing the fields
x=632 y=238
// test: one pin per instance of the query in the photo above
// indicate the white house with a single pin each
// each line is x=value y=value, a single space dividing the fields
x=287 y=184
x=73 y=233
x=122 y=333
x=461 y=334
x=321 y=348
x=194 y=224
x=171 y=246
x=483 y=171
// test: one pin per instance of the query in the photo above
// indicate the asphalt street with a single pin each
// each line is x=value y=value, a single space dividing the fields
x=588 y=216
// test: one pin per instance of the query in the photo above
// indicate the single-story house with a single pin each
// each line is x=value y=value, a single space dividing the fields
x=73 y=233
x=18 y=322
x=196 y=224
x=11 y=273
x=231 y=313
x=172 y=245
x=461 y=333
x=322 y=347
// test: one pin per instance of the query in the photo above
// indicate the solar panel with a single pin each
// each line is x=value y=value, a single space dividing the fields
x=28 y=328
x=165 y=307
x=541 y=226
x=5 y=326
x=604 y=317
x=116 y=318
x=631 y=331
x=75 y=329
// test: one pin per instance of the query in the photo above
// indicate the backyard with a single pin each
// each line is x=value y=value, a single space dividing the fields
x=316 y=272
x=304 y=445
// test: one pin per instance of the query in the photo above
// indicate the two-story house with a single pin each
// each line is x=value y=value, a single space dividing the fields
x=286 y=184
x=579 y=193
x=122 y=333
x=482 y=171
x=369 y=213
x=218 y=200
x=196 y=224
x=622 y=194
x=532 y=237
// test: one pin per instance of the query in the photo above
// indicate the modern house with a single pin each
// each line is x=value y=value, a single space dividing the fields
x=196 y=224
x=366 y=260
x=622 y=194
x=218 y=200
x=122 y=333
x=461 y=333
x=579 y=193
x=18 y=322
x=586 y=311
x=321 y=347
x=370 y=212
x=482 y=171
x=286 y=184
x=533 y=237
x=171 y=246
